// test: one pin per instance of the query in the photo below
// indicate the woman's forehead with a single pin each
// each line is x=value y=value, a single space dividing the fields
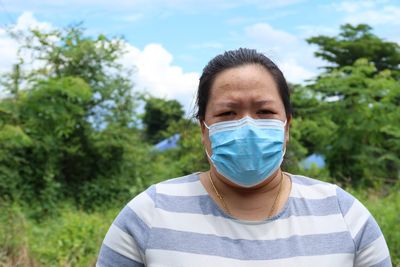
x=252 y=82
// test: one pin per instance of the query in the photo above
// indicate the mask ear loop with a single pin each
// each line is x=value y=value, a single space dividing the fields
x=208 y=155
x=284 y=149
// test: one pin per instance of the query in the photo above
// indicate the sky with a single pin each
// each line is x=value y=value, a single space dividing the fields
x=170 y=41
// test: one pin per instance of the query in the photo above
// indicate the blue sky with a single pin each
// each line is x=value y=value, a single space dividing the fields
x=170 y=41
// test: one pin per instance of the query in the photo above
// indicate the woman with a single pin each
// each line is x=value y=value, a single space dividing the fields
x=244 y=211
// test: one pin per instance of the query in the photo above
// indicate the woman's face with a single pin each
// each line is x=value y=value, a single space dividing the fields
x=247 y=90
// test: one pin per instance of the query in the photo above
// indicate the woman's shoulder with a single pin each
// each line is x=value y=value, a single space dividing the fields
x=188 y=185
x=310 y=188
x=369 y=243
x=193 y=177
x=308 y=181
x=181 y=186
x=307 y=187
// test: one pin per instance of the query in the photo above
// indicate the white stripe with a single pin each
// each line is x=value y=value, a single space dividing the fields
x=122 y=243
x=175 y=258
x=376 y=252
x=316 y=191
x=143 y=206
x=219 y=226
x=183 y=189
x=233 y=125
x=356 y=217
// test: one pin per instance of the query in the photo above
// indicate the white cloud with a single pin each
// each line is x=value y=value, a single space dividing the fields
x=385 y=15
x=306 y=31
x=155 y=71
x=292 y=55
x=8 y=50
x=353 y=6
x=266 y=35
x=294 y=72
x=156 y=74
x=9 y=46
x=28 y=21
x=374 y=12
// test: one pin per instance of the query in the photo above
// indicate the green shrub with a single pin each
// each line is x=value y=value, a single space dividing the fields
x=72 y=239
x=385 y=207
x=14 y=250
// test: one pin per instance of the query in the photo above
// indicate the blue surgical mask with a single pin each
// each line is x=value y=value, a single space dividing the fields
x=247 y=151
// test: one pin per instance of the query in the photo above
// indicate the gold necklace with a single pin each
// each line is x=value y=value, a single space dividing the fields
x=221 y=198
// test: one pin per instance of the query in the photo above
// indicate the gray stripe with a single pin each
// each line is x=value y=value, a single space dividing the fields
x=321 y=244
x=110 y=258
x=193 y=177
x=303 y=180
x=345 y=200
x=151 y=192
x=183 y=204
x=205 y=205
x=313 y=207
x=384 y=263
x=367 y=234
x=128 y=221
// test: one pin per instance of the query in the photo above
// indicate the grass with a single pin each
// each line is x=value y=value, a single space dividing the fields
x=385 y=207
x=73 y=238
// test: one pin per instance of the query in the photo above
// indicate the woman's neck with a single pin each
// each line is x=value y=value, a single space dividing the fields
x=254 y=203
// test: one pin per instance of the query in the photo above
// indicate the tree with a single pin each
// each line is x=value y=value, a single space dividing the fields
x=70 y=53
x=349 y=112
x=68 y=125
x=363 y=142
x=158 y=115
x=354 y=42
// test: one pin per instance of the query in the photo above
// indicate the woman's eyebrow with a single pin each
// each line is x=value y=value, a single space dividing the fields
x=227 y=104
x=237 y=103
x=263 y=102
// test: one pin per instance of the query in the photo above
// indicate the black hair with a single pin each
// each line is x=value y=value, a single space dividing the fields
x=235 y=58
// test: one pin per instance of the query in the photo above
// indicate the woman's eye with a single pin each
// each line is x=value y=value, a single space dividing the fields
x=264 y=111
x=227 y=113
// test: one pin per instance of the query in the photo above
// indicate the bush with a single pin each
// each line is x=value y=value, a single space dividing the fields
x=385 y=206
x=72 y=239
x=14 y=250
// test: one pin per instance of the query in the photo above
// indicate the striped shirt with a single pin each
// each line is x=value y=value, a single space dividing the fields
x=176 y=223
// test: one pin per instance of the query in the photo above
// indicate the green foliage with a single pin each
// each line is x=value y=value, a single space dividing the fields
x=12 y=141
x=72 y=239
x=71 y=53
x=295 y=151
x=122 y=165
x=189 y=156
x=158 y=115
x=350 y=112
x=69 y=129
x=14 y=250
x=355 y=42
x=69 y=134
x=362 y=109
x=384 y=205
